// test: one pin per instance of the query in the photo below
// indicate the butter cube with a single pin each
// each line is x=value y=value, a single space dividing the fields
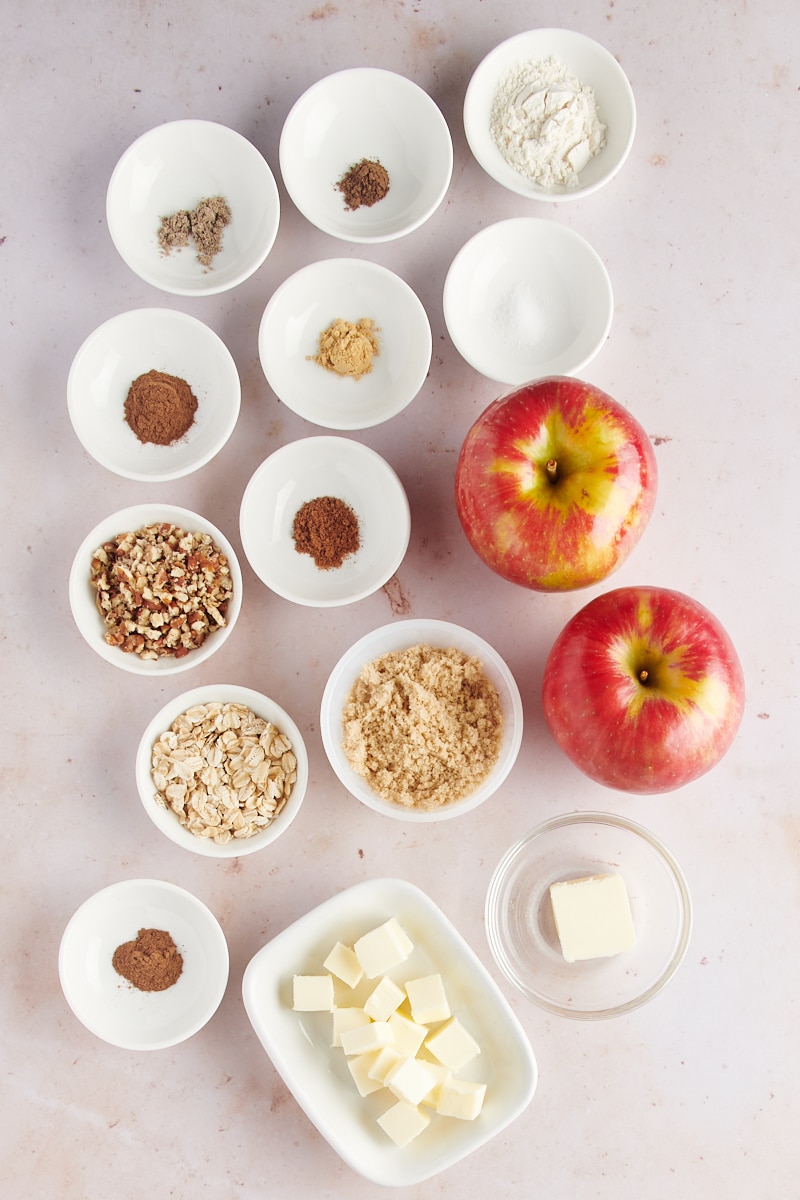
x=346 y=1018
x=312 y=993
x=461 y=1098
x=593 y=917
x=359 y=1066
x=441 y=1074
x=408 y=1035
x=428 y=999
x=382 y=1063
x=366 y=1037
x=343 y=963
x=403 y=1122
x=383 y=948
x=452 y=1045
x=384 y=999
x=410 y=1080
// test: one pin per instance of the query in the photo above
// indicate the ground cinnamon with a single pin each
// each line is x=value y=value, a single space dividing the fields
x=160 y=408
x=327 y=529
x=364 y=184
x=152 y=962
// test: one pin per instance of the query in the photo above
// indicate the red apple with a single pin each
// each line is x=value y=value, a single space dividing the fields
x=555 y=484
x=643 y=689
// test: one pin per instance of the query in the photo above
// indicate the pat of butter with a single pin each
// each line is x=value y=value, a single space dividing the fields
x=343 y=963
x=403 y=1122
x=428 y=999
x=408 y=1035
x=382 y=1063
x=383 y=948
x=442 y=1074
x=312 y=993
x=364 y=1038
x=592 y=916
x=410 y=1080
x=461 y=1098
x=453 y=1045
x=384 y=999
x=360 y=1066
x=347 y=1018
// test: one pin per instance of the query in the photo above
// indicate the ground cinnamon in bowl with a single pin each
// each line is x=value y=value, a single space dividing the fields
x=152 y=962
x=327 y=529
x=160 y=408
x=364 y=184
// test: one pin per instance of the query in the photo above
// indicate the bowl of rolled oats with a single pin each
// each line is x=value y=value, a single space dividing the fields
x=222 y=770
x=421 y=720
x=155 y=589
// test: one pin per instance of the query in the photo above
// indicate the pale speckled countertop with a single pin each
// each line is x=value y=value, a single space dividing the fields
x=698 y=1093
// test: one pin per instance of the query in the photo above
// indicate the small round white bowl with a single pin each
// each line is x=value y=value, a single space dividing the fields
x=399 y=636
x=521 y=928
x=594 y=66
x=82 y=594
x=129 y=345
x=366 y=113
x=302 y=471
x=527 y=298
x=172 y=168
x=306 y=304
x=167 y=822
x=107 y=1004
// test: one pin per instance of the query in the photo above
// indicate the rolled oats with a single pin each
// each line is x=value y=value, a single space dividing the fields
x=224 y=771
x=160 y=590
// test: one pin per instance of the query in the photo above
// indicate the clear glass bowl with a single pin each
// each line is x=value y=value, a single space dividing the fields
x=522 y=933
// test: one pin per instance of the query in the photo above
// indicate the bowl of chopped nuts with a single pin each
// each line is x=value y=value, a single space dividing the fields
x=155 y=589
x=421 y=720
x=193 y=207
x=153 y=394
x=222 y=770
x=366 y=155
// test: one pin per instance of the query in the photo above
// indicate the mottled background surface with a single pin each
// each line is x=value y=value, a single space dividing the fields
x=696 y=1094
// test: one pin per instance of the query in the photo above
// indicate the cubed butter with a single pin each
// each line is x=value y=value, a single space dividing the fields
x=441 y=1074
x=408 y=1035
x=343 y=963
x=382 y=1001
x=345 y=1019
x=593 y=917
x=360 y=1066
x=453 y=1045
x=403 y=1122
x=365 y=1038
x=410 y=1080
x=460 y=1098
x=382 y=948
x=382 y=1063
x=312 y=993
x=428 y=999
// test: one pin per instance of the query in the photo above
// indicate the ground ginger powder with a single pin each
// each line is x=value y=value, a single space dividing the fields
x=348 y=348
x=423 y=726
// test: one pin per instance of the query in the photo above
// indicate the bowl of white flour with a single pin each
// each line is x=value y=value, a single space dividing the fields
x=550 y=114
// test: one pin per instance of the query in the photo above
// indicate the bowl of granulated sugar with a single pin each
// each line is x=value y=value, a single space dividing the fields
x=550 y=114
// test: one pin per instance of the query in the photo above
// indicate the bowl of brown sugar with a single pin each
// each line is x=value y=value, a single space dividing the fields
x=153 y=394
x=421 y=720
x=143 y=964
x=325 y=521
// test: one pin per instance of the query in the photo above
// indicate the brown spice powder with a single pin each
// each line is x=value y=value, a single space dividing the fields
x=203 y=225
x=160 y=408
x=364 y=184
x=348 y=348
x=152 y=963
x=327 y=529
x=423 y=726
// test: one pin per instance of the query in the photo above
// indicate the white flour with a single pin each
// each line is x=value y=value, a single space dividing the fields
x=546 y=123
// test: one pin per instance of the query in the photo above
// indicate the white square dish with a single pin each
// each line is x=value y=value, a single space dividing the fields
x=318 y=1077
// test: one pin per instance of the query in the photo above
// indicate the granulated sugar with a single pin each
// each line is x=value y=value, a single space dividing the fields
x=546 y=123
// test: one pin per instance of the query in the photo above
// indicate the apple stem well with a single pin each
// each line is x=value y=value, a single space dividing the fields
x=551 y=467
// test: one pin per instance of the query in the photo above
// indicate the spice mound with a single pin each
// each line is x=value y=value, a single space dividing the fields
x=160 y=408
x=348 y=348
x=546 y=123
x=152 y=963
x=327 y=529
x=423 y=726
x=203 y=225
x=223 y=771
x=364 y=184
x=160 y=590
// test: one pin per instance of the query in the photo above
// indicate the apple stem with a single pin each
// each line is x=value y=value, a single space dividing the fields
x=551 y=467
x=644 y=675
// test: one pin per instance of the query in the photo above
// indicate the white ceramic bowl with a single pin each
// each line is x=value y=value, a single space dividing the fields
x=527 y=298
x=129 y=345
x=82 y=594
x=106 y=1003
x=373 y=114
x=305 y=470
x=594 y=66
x=306 y=304
x=521 y=929
x=172 y=168
x=167 y=821
x=299 y=1043
x=399 y=636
